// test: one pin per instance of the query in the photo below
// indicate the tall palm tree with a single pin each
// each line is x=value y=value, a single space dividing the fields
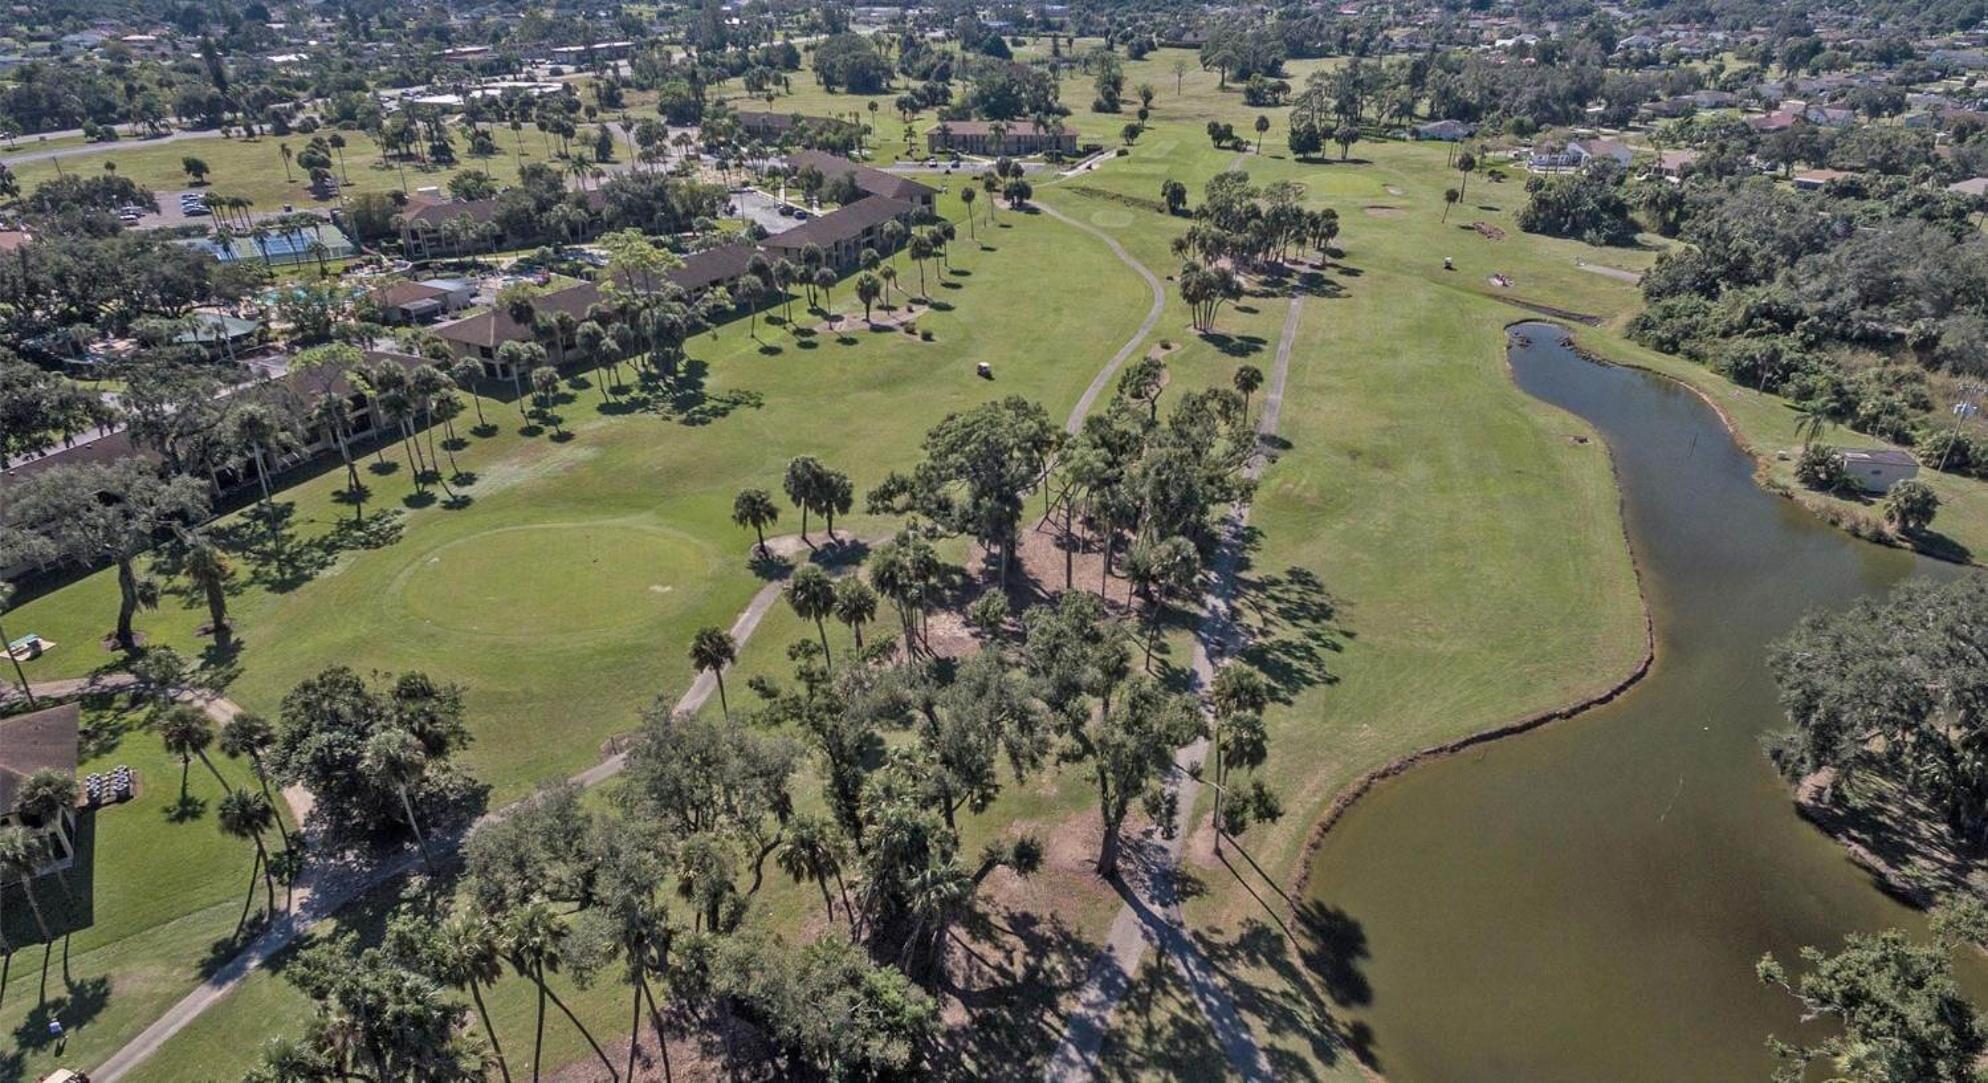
x=1247 y=379
x=397 y=756
x=855 y=605
x=711 y=650
x=244 y=815
x=250 y=735
x=811 y=593
x=814 y=851
x=1812 y=420
x=468 y=954
x=47 y=802
x=755 y=508
x=208 y=569
x=534 y=939
x=186 y=732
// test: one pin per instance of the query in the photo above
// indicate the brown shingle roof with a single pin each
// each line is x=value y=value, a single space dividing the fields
x=842 y=224
x=711 y=266
x=44 y=740
x=406 y=293
x=496 y=327
x=872 y=181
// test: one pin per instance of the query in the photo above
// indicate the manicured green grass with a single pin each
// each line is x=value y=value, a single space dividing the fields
x=563 y=595
x=156 y=888
x=254 y=167
x=1434 y=553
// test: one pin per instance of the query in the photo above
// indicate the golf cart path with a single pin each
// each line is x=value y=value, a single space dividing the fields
x=1156 y=918
x=1103 y=380
x=322 y=890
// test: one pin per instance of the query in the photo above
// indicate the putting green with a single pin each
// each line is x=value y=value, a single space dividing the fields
x=612 y=576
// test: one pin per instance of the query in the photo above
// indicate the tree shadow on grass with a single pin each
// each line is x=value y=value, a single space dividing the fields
x=1009 y=970
x=78 y=1004
x=1235 y=345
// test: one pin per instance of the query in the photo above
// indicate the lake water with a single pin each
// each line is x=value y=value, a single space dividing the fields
x=1586 y=902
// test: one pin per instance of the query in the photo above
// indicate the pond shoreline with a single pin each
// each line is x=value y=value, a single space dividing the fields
x=1761 y=463
x=1888 y=877
x=1350 y=795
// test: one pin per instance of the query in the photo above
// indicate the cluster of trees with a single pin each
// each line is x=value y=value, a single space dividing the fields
x=1893 y=686
x=39 y=409
x=1240 y=225
x=1775 y=286
x=1587 y=206
x=850 y=63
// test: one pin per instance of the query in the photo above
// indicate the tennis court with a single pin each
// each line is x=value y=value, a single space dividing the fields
x=284 y=247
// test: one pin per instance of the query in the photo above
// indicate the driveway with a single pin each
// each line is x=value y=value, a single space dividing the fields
x=754 y=205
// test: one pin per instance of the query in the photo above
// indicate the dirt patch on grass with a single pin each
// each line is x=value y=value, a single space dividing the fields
x=880 y=320
x=1377 y=210
x=1488 y=231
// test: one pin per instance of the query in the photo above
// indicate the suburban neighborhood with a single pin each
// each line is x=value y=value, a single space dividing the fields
x=1091 y=540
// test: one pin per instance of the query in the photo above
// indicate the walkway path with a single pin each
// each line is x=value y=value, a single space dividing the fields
x=324 y=889
x=1103 y=380
x=125 y=142
x=1141 y=922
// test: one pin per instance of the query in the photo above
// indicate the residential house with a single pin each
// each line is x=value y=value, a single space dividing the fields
x=425 y=226
x=768 y=126
x=1014 y=137
x=844 y=232
x=1973 y=187
x=414 y=302
x=1814 y=180
x=480 y=335
x=713 y=268
x=1674 y=163
x=1579 y=154
x=869 y=180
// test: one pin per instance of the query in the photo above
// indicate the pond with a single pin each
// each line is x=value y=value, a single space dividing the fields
x=1587 y=901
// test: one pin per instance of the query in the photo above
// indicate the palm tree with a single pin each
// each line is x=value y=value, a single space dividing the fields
x=855 y=605
x=711 y=650
x=868 y=289
x=814 y=851
x=1450 y=197
x=533 y=938
x=250 y=735
x=966 y=196
x=468 y=955
x=47 y=800
x=332 y=414
x=208 y=569
x=244 y=815
x=1247 y=379
x=397 y=756
x=186 y=732
x=1812 y=420
x=287 y=153
x=755 y=508
x=920 y=250
x=811 y=593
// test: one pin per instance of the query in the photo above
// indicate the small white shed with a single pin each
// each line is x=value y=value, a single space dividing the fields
x=1876 y=470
